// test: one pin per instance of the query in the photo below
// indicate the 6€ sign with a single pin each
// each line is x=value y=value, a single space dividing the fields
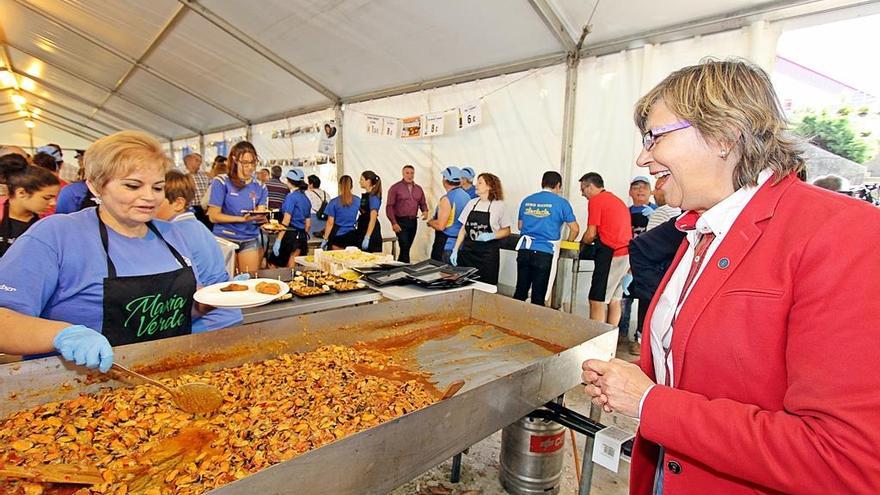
x=470 y=114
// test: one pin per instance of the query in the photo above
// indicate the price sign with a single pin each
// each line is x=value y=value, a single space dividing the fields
x=470 y=115
x=374 y=124
x=389 y=127
x=433 y=124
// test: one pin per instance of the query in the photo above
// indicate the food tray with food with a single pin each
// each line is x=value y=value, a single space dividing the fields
x=306 y=288
x=298 y=397
x=351 y=257
x=349 y=286
x=320 y=277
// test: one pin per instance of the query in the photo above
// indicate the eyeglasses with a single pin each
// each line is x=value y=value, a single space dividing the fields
x=248 y=164
x=649 y=138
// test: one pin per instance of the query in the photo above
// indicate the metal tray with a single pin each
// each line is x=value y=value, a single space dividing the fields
x=523 y=356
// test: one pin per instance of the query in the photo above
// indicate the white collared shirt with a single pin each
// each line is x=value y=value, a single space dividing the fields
x=719 y=219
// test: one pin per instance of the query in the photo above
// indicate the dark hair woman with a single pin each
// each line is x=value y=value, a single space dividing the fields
x=484 y=222
x=342 y=215
x=236 y=198
x=369 y=230
x=296 y=210
x=32 y=192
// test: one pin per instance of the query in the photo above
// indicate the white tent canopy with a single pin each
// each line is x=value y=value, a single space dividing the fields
x=183 y=68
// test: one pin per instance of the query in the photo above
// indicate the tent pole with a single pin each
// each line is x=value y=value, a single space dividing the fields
x=202 y=144
x=31 y=136
x=339 y=116
x=248 y=133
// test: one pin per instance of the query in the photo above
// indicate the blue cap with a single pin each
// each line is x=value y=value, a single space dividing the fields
x=451 y=174
x=468 y=173
x=51 y=150
x=296 y=175
x=641 y=178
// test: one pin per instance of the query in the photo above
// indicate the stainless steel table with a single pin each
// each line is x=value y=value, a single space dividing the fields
x=304 y=305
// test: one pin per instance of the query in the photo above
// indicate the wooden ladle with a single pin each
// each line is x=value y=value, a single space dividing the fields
x=54 y=473
x=195 y=398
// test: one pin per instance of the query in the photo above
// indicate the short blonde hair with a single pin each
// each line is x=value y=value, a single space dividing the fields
x=119 y=154
x=731 y=102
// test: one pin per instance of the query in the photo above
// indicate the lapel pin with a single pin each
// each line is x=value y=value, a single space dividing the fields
x=723 y=263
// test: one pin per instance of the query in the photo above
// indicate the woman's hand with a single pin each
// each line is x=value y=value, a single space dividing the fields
x=616 y=385
x=85 y=346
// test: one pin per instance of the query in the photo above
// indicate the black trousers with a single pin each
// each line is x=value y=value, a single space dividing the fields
x=532 y=271
x=406 y=237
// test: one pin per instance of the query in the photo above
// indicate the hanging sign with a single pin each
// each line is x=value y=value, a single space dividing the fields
x=411 y=127
x=389 y=127
x=470 y=115
x=327 y=145
x=433 y=124
x=374 y=124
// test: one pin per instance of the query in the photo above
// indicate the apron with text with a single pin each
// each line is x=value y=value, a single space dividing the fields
x=484 y=256
x=147 y=307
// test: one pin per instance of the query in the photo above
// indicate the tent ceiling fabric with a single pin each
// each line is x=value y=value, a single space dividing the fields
x=199 y=77
x=356 y=46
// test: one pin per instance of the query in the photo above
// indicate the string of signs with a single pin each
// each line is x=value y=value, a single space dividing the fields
x=432 y=124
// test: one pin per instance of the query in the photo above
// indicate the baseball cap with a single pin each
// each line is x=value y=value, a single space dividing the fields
x=640 y=178
x=296 y=175
x=51 y=150
x=468 y=173
x=452 y=174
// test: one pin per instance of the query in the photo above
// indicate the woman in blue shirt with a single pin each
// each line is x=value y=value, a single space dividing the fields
x=369 y=230
x=342 y=214
x=297 y=218
x=234 y=199
x=105 y=276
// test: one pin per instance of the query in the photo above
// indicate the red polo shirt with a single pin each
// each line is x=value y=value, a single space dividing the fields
x=610 y=215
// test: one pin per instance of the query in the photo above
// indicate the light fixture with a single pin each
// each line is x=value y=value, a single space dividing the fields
x=7 y=78
x=22 y=113
x=29 y=124
x=18 y=99
x=36 y=111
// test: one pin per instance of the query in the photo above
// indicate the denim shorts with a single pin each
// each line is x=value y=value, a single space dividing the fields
x=248 y=245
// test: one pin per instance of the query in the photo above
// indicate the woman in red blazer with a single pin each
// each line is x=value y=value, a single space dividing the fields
x=763 y=377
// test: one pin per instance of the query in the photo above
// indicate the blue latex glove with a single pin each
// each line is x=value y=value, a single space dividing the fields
x=647 y=210
x=324 y=244
x=84 y=346
x=241 y=277
x=627 y=279
x=453 y=258
x=365 y=244
x=276 y=246
x=486 y=237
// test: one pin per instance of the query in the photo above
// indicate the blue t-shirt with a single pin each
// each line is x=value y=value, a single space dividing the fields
x=343 y=216
x=56 y=269
x=375 y=202
x=298 y=206
x=542 y=215
x=232 y=201
x=210 y=269
x=472 y=192
x=458 y=199
x=71 y=196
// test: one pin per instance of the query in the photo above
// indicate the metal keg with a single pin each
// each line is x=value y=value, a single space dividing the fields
x=531 y=457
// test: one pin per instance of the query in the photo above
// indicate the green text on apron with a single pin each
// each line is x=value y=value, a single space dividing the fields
x=147 y=307
x=484 y=256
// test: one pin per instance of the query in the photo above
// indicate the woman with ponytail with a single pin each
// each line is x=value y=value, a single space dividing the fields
x=342 y=214
x=369 y=230
x=31 y=192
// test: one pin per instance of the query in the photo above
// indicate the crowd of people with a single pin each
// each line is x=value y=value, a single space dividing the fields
x=758 y=346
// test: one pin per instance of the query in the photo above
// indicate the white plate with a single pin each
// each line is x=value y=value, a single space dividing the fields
x=212 y=296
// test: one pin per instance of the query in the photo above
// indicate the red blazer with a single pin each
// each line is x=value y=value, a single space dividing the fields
x=775 y=356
